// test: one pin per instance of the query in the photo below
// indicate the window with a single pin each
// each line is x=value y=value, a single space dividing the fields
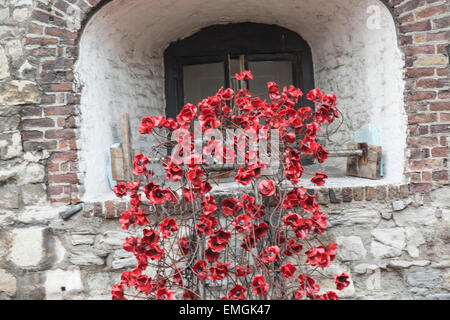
x=197 y=66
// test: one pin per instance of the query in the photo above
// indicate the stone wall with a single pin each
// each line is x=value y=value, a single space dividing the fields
x=394 y=240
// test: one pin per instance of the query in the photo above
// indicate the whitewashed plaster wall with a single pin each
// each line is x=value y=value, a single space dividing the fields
x=355 y=56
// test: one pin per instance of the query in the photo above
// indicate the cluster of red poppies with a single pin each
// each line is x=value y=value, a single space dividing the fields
x=273 y=248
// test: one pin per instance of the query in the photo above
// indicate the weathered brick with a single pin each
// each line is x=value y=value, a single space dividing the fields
x=61 y=87
x=38 y=123
x=426 y=176
x=370 y=193
x=64 y=156
x=416 y=27
x=60 y=134
x=59 y=32
x=425 y=164
x=422 y=142
x=421 y=187
x=422 y=118
x=440 y=128
x=432 y=11
x=393 y=192
x=358 y=193
x=439 y=152
x=63 y=178
x=347 y=194
x=404 y=191
x=381 y=192
x=440 y=106
x=39 y=145
x=441 y=23
x=59 y=111
x=335 y=195
x=31 y=135
x=432 y=60
x=440 y=175
x=422 y=49
x=422 y=95
x=419 y=72
x=444 y=117
x=438 y=36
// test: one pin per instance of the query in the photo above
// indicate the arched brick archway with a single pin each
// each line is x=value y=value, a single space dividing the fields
x=52 y=23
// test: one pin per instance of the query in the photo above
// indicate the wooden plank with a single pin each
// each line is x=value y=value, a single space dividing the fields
x=368 y=166
x=126 y=145
x=118 y=173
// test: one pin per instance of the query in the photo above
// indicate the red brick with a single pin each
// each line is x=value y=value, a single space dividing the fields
x=419 y=72
x=43 y=41
x=420 y=142
x=53 y=167
x=440 y=106
x=432 y=11
x=415 y=27
x=55 y=190
x=64 y=156
x=38 y=123
x=31 y=135
x=438 y=36
x=429 y=83
x=426 y=176
x=441 y=23
x=444 y=117
x=421 y=187
x=442 y=72
x=422 y=95
x=440 y=128
x=66 y=134
x=61 y=87
x=422 y=118
x=425 y=164
x=444 y=94
x=59 y=111
x=63 y=178
x=424 y=49
x=440 y=175
x=439 y=152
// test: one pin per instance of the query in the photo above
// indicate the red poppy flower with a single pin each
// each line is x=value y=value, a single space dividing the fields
x=178 y=277
x=209 y=205
x=189 y=195
x=154 y=252
x=140 y=161
x=274 y=94
x=219 y=240
x=287 y=270
x=241 y=223
x=321 y=256
x=194 y=175
x=117 y=292
x=293 y=248
x=308 y=285
x=150 y=236
x=320 y=153
x=315 y=95
x=183 y=244
x=293 y=219
x=120 y=189
x=294 y=93
x=259 y=285
x=341 y=281
x=271 y=254
x=146 y=126
x=211 y=256
x=244 y=177
x=319 y=178
x=206 y=224
x=309 y=203
x=227 y=94
x=267 y=187
x=230 y=207
x=200 y=269
x=237 y=292
x=241 y=271
x=190 y=295
x=167 y=226
x=173 y=171
x=261 y=230
x=165 y=294
x=245 y=75
x=158 y=195
x=145 y=284
x=204 y=188
x=330 y=100
x=219 y=271
x=247 y=202
x=187 y=113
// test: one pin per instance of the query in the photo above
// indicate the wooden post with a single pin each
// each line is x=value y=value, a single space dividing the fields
x=126 y=145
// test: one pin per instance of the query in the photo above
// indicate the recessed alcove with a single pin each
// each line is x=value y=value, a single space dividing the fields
x=355 y=55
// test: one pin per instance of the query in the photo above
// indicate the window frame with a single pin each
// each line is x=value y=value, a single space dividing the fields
x=258 y=42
